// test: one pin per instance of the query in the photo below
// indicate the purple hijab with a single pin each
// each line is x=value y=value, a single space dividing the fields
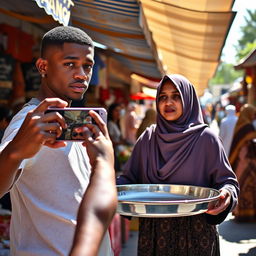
x=184 y=151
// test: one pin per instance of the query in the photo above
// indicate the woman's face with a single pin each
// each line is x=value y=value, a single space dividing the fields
x=169 y=102
x=116 y=113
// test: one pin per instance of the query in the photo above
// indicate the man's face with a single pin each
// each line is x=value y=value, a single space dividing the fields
x=68 y=71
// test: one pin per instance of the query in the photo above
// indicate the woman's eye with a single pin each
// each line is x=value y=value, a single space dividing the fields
x=162 y=98
x=176 y=97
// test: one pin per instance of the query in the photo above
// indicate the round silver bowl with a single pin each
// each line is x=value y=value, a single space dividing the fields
x=164 y=200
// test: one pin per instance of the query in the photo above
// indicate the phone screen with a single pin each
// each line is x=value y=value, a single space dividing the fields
x=76 y=119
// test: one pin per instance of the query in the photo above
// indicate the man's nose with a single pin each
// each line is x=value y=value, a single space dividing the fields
x=81 y=74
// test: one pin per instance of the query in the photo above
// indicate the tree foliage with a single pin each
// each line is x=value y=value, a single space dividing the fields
x=248 y=40
x=225 y=73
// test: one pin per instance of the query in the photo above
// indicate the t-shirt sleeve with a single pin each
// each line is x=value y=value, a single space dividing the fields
x=12 y=130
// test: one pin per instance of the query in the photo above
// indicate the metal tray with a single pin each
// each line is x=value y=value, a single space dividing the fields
x=164 y=200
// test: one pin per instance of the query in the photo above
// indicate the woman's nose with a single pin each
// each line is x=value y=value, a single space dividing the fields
x=169 y=100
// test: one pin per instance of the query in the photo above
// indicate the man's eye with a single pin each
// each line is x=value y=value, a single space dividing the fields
x=87 y=67
x=69 y=64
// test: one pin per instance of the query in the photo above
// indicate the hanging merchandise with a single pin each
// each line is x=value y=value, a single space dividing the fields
x=17 y=42
x=7 y=63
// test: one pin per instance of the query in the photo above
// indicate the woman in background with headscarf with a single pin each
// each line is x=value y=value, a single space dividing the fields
x=181 y=149
x=149 y=118
x=131 y=123
x=243 y=160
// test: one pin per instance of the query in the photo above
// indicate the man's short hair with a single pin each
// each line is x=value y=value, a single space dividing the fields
x=64 y=34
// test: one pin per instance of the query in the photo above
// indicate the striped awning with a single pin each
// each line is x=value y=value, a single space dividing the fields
x=188 y=35
x=149 y=37
x=115 y=24
x=155 y=37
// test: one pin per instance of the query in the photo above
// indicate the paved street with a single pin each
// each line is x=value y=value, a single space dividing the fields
x=236 y=239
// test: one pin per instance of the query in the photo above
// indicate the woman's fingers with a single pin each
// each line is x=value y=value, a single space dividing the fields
x=221 y=205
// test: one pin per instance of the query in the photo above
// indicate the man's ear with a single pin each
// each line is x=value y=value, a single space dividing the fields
x=41 y=65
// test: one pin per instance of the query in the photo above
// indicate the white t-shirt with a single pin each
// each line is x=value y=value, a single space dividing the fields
x=46 y=196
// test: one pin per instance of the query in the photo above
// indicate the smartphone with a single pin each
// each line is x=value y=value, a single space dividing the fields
x=76 y=118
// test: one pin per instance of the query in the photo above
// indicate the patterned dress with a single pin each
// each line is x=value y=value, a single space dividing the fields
x=177 y=237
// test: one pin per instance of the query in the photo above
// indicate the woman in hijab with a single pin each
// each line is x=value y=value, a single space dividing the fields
x=181 y=149
x=243 y=161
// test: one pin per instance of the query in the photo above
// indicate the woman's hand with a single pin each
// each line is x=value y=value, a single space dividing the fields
x=222 y=204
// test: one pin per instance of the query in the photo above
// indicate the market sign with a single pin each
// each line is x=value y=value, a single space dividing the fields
x=58 y=9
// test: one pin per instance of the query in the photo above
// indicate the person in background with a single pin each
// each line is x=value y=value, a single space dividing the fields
x=207 y=113
x=5 y=118
x=227 y=126
x=168 y=153
x=115 y=131
x=218 y=113
x=130 y=123
x=242 y=158
x=47 y=178
x=149 y=118
x=122 y=118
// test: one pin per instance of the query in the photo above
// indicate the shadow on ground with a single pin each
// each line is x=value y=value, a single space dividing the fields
x=251 y=252
x=237 y=232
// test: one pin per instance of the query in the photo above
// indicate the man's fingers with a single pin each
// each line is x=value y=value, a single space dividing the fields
x=50 y=102
x=55 y=144
x=100 y=123
x=94 y=130
x=52 y=128
x=54 y=117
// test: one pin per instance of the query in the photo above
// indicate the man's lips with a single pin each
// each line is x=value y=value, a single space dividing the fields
x=78 y=87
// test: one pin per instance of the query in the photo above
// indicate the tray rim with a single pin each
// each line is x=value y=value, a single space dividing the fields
x=171 y=202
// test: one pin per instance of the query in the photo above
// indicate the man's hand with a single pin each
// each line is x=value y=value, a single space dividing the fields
x=100 y=199
x=39 y=129
x=222 y=204
x=97 y=140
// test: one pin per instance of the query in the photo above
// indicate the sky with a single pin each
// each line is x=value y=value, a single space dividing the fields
x=240 y=6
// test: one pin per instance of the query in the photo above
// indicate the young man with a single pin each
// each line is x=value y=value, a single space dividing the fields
x=47 y=179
